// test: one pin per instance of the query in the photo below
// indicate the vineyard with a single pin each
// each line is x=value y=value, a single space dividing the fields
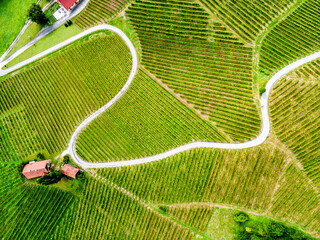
x=196 y=81
x=99 y=11
x=29 y=210
x=296 y=122
x=200 y=60
x=110 y=214
x=146 y=121
x=247 y=18
x=292 y=39
x=41 y=105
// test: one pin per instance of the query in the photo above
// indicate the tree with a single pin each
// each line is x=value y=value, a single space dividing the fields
x=36 y=15
x=66 y=159
x=41 y=156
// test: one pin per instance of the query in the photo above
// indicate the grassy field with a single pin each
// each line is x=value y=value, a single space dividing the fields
x=59 y=35
x=201 y=61
x=13 y=16
x=42 y=104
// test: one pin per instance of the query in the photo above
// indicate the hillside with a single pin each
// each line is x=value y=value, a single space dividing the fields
x=168 y=74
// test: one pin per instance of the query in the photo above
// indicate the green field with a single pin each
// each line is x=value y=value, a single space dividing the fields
x=201 y=61
x=100 y=11
x=146 y=121
x=202 y=66
x=13 y=16
x=296 y=122
x=74 y=82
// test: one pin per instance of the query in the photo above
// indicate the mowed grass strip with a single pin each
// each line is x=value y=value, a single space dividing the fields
x=200 y=60
x=146 y=121
x=59 y=92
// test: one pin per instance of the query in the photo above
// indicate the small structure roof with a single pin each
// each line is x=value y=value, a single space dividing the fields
x=35 y=169
x=67 y=4
x=60 y=13
x=69 y=170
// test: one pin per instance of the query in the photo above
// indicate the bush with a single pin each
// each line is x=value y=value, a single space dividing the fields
x=50 y=178
x=262 y=90
x=241 y=217
x=36 y=15
x=66 y=159
x=164 y=209
x=41 y=156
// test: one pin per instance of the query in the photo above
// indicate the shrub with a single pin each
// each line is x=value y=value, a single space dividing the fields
x=41 y=156
x=65 y=159
x=52 y=177
x=241 y=217
x=164 y=209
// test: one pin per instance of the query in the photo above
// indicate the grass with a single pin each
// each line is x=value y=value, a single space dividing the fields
x=221 y=225
x=59 y=35
x=29 y=34
x=13 y=16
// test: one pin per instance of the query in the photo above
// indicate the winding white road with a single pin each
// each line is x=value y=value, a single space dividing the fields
x=71 y=147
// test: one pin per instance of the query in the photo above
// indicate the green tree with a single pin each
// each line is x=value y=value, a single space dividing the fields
x=36 y=15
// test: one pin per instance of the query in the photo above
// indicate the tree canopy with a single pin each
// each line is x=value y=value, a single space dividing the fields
x=36 y=15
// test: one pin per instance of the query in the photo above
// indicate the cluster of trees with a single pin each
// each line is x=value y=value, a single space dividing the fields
x=268 y=229
x=36 y=15
x=50 y=178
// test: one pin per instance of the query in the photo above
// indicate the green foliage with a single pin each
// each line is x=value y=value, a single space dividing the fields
x=66 y=159
x=267 y=229
x=201 y=60
x=163 y=208
x=262 y=90
x=94 y=13
x=147 y=120
x=41 y=156
x=241 y=217
x=36 y=15
x=80 y=70
x=78 y=184
x=50 y=178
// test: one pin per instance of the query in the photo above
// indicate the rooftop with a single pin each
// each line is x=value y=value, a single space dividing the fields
x=67 y=4
x=35 y=169
x=69 y=170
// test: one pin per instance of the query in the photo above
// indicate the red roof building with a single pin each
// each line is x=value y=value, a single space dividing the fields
x=36 y=169
x=68 y=4
x=70 y=170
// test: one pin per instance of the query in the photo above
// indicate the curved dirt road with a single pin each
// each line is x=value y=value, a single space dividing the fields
x=71 y=147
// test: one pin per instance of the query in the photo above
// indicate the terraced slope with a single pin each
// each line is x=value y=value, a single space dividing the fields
x=99 y=11
x=239 y=177
x=41 y=105
x=29 y=210
x=292 y=39
x=247 y=18
x=295 y=116
x=146 y=121
x=111 y=214
x=200 y=60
